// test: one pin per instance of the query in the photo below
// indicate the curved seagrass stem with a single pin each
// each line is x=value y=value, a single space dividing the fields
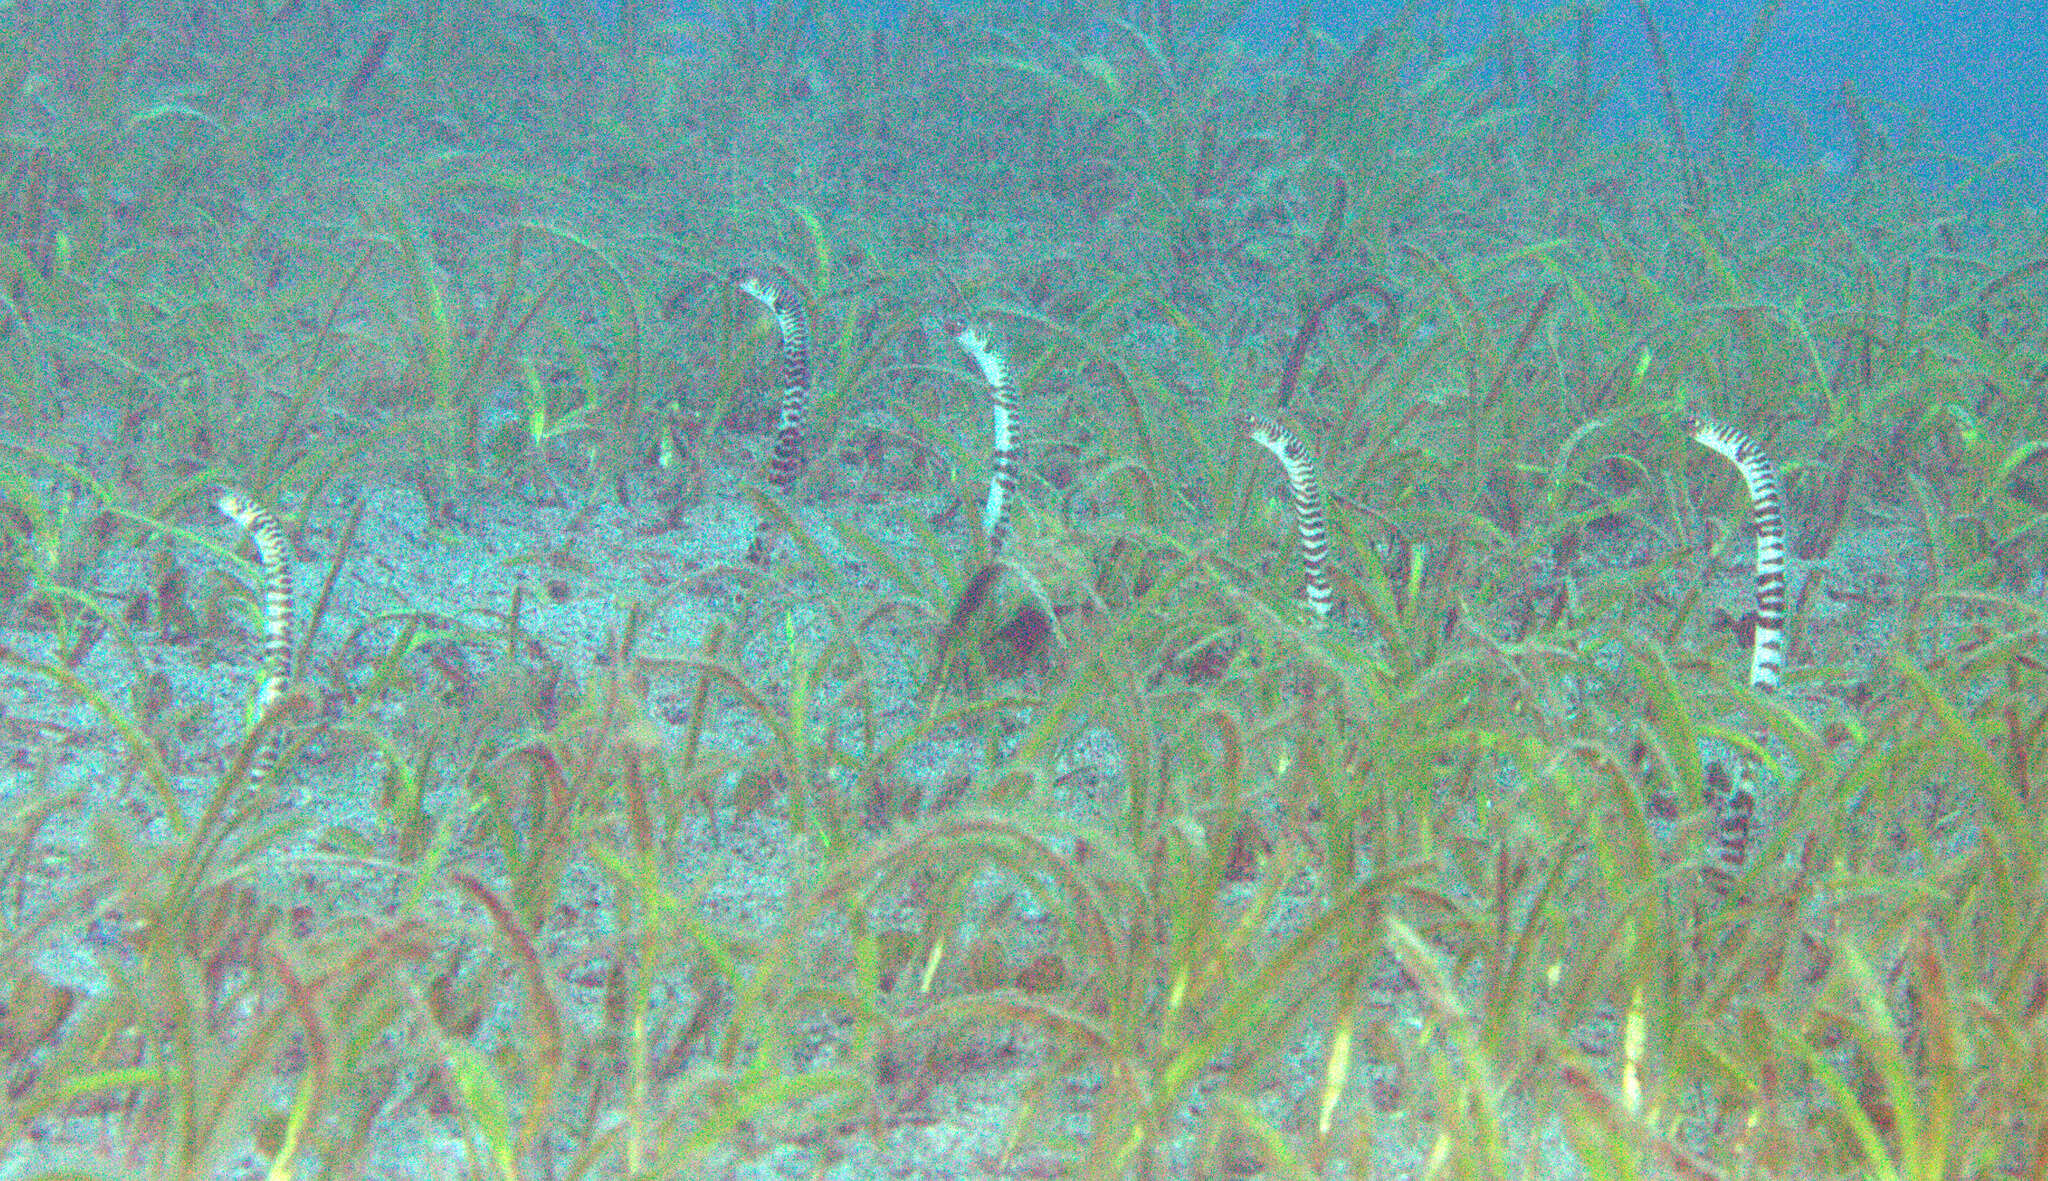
x=273 y=549
x=1312 y=324
x=1300 y=468
x=1767 y=645
x=1008 y=454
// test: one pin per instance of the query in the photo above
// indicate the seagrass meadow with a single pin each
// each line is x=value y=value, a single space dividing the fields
x=590 y=598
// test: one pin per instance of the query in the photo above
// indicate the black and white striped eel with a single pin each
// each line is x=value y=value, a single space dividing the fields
x=1300 y=469
x=1007 y=454
x=1767 y=646
x=275 y=553
x=787 y=460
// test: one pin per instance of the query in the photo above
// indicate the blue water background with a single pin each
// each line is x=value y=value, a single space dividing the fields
x=1979 y=70
x=1976 y=72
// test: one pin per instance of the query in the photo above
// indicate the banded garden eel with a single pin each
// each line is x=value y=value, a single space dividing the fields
x=1007 y=455
x=1022 y=620
x=1300 y=469
x=274 y=551
x=1737 y=809
x=786 y=462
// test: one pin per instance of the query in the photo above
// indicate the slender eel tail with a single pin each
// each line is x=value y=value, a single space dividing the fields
x=1767 y=647
x=1300 y=468
x=274 y=550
